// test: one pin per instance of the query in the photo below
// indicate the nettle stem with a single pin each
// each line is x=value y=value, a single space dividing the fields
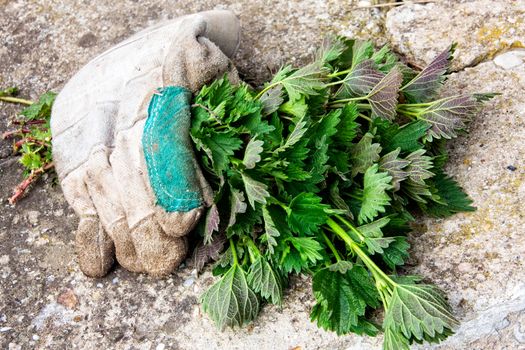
x=331 y=246
x=234 y=252
x=16 y=100
x=382 y=279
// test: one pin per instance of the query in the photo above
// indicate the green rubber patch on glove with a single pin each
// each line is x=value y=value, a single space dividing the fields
x=168 y=150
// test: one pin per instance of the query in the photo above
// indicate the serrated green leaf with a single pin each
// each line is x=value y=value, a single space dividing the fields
x=304 y=81
x=309 y=249
x=237 y=205
x=407 y=138
x=221 y=146
x=395 y=341
x=270 y=230
x=418 y=168
x=306 y=213
x=393 y=165
x=375 y=198
x=40 y=109
x=265 y=281
x=364 y=154
x=252 y=153
x=360 y=80
x=383 y=97
x=396 y=253
x=452 y=198
x=418 y=311
x=271 y=100
x=342 y=298
x=347 y=128
x=211 y=223
x=255 y=191
x=341 y=266
x=448 y=115
x=229 y=301
x=427 y=83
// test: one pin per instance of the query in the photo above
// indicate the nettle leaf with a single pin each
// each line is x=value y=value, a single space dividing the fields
x=393 y=165
x=40 y=109
x=407 y=138
x=342 y=298
x=255 y=191
x=373 y=229
x=341 y=266
x=252 y=153
x=418 y=169
x=331 y=48
x=383 y=97
x=395 y=341
x=361 y=50
x=271 y=100
x=238 y=205
x=347 y=128
x=452 y=198
x=427 y=83
x=306 y=213
x=448 y=115
x=222 y=146
x=265 y=281
x=309 y=249
x=203 y=253
x=297 y=133
x=304 y=81
x=212 y=223
x=396 y=253
x=270 y=230
x=374 y=236
x=364 y=154
x=360 y=80
x=375 y=198
x=418 y=311
x=416 y=191
x=229 y=301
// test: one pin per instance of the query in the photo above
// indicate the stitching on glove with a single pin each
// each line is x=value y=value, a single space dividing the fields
x=167 y=150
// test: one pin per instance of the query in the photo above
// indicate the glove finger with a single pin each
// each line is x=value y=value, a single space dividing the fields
x=103 y=190
x=95 y=250
x=159 y=254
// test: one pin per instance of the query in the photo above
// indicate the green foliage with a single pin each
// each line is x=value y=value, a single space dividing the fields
x=318 y=173
x=32 y=137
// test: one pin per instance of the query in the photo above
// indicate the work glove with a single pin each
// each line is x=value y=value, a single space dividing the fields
x=121 y=143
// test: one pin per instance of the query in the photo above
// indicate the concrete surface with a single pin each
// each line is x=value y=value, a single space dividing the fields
x=45 y=301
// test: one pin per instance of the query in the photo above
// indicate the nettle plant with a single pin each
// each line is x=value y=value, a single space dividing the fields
x=31 y=137
x=321 y=173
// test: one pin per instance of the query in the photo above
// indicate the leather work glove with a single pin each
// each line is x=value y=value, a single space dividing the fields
x=121 y=143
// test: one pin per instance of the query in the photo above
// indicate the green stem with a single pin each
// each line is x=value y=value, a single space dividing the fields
x=334 y=83
x=424 y=104
x=252 y=250
x=378 y=274
x=346 y=100
x=16 y=100
x=337 y=74
x=234 y=252
x=364 y=106
x=258 y=96
x=351 y=227
x=331 y=246
x=365 y=117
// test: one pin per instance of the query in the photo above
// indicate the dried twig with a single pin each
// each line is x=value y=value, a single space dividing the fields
x=392 y=4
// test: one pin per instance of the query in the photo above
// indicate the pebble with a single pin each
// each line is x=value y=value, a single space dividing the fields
x=511 y=168
x=114 y=280
x=4 y=260
x=508 y=60
x=160 y=346
x=35 y=337
x=100 y=285
x=188 y=282
x=5 y=329
x=363 y=3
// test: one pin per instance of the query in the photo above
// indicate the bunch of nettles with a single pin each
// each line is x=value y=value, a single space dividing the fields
x=31 y=137
x=320 y=173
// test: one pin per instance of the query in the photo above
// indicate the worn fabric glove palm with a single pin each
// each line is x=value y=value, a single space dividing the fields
x=121 y=143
